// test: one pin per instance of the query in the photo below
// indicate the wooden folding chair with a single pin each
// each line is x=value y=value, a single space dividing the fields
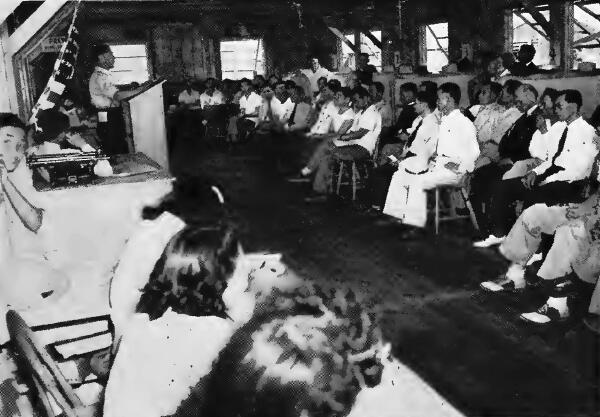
x=448 y=214
x=48 y=381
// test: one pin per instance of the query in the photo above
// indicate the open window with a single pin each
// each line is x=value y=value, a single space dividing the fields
x=433 y=39
x=586 y=32
x=528 y=28
x=131 y=63
x=242 y=58
x=367 y=45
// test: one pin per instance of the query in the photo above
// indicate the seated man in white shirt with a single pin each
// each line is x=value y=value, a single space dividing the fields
x=211 y=96
x=250 y=104
x=377 y=92
x=320 y=161
x=325 y=110
x=422 y=142
x=359 y=143
x=189 y=98
x=558 y=180
x=457 y=150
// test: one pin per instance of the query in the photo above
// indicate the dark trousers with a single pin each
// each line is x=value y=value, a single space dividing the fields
x=379 y=183
x=483 y=182
x=112 y=132
x=245 y=127
x=507 y=192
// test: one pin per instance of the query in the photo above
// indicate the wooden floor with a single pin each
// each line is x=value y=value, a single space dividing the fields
x=469 y=347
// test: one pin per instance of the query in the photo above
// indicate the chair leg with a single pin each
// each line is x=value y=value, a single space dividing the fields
x=354 y=180
x=463 y=192
x=437 y=210
x=339 y=180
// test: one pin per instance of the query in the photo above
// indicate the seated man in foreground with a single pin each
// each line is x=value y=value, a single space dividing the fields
x=421 y=143
x=561 y=179
x=456 y=152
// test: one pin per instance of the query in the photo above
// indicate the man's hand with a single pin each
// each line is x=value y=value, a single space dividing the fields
x=452 y=166
x=529 y=180
x=403 y=136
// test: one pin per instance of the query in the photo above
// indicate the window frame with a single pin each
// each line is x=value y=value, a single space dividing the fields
x=149 y=65
x=244 y=38
x=423 y=49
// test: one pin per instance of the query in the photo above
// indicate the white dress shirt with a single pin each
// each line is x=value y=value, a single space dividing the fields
x=540 y=146
x=282 y=111
x=339 y=119
x=577 y=157
x=505 y=122
x=313 y=77
x=102 y=88
x=214 y=100
x=368 y=119
x=457 y=141
x=426 y=139
x=325 y=119
x=249 y=104
x=190 y=98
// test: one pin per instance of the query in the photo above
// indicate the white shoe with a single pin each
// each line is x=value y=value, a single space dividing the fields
x=490 y=241
x=554 y=310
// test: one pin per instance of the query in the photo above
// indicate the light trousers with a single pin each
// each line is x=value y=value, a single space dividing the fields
x=407 y=198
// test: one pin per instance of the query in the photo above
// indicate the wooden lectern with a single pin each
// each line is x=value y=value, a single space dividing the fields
x=144 y=114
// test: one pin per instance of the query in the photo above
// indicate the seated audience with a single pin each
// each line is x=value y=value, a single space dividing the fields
x=319 y=164
x=407 y=113
x=360 y=141
x=364 y=70
x=558 y=180
x=486 y=121
x=321 y=83
x=259 y=82
x=300 y=115
x=189 y=97
x=211 y=96
x=513 y=147
x=250 y=103
x=325 y=110
x=456 y=153
x=538 y=147
x=524 y=67
x=377 y=91
x=421 y=143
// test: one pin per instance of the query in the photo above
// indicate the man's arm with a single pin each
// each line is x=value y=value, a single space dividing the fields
x=30 y=215
x=354 y=135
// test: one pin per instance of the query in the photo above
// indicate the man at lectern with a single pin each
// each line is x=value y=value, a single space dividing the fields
x=106 y=98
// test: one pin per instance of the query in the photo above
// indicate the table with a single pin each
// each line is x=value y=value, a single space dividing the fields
x=90 y=224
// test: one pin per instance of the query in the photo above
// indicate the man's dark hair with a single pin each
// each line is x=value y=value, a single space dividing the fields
x=430 y=86
x=495 y=88
x=409 y=87
x=347 y=92
x=511 y=86
x=453 y=90
x=364 y=54
x=289 y=84
x=100 y=49
x=531 y=89
x=52 y=123
x=334 y=85
x=379 y=87
x=429 y=98
x=322 y=79
x=245 y=81
x=572 y=97
x=11 y=120
x=361 y=91
x=530 y=49
x=550 y=92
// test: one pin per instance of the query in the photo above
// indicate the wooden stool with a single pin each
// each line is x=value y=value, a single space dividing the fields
x=449 y=213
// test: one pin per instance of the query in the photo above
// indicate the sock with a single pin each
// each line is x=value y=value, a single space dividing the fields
x=516 y=273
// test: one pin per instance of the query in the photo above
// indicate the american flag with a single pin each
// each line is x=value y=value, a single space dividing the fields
x=64 y=70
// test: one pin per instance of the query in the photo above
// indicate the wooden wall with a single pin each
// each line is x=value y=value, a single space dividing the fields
x=181 y=51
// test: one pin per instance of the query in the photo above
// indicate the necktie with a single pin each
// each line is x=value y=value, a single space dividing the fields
x=554 y=168
x=292 y=116
x=413 y=135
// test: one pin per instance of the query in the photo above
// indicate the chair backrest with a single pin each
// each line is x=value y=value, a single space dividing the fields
x=47 y=377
